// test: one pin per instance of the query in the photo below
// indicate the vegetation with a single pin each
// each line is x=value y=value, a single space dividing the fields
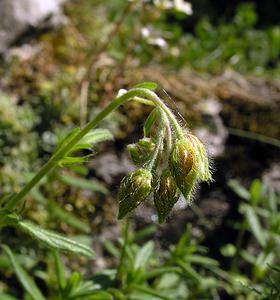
x=166 y=246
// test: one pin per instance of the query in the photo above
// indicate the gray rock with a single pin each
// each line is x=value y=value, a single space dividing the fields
x=17 y=16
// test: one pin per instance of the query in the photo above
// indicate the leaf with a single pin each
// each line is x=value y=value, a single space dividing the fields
x=190 y=271
x=92 y=185
x=239 y=189
x=150 y=122
x=7 y=297
x=203 y=260
x=69 y=160
x=86 y=142
x=94 y=295
x=60 y=213
x=256 y=191
x=26 y=281
x=254 y=224
x=101 y=296
x=151 y=292
x=97 y=136
x=54 y=240
x=144 y=233
x=147 y=85
x=59 y=269
x=68 y=217
x=144 y=255
x=158 y=272
x=111 y=248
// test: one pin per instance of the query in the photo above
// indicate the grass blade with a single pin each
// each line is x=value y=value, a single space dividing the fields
x=26 y=281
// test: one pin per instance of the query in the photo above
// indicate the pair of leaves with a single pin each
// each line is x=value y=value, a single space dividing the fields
x=86 y=143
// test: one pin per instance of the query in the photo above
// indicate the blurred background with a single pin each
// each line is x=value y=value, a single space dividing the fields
x=217 y=64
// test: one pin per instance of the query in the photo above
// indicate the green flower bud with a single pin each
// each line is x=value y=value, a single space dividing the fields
x=141 y=151
x=134 y=189
x=189 y=163
x=165 y=195
x=204 y=173
x=183 y=166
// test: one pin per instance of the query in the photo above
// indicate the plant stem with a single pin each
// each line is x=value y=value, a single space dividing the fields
x=123 y=252
x=54 y=160
x=168 y=132
x=151 y=162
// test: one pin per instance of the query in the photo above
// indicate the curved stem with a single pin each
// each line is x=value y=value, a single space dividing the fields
x=154 y=97
x=150 y=164
x=168 y=132
x=54 y=160
x=123 y=251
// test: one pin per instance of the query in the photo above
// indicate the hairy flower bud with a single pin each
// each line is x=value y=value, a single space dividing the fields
x=165 y=195
x=204 y=173
x=134 y=189
x=188 y=163
x=141 y=151
x=183 y=166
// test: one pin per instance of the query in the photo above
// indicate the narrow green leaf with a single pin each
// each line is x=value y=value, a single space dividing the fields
x=203 y=260
x=60 y=213
x=101 y=296
x=59 y=270
x=254 y=224
x=150 y=292
x=97 y=136
x=26 y=281
x=145 y=232
x=92 y=185
x=248 y=257
x=68 y=217
x=73 y=283
x=147 y=85
x=239 y=189
x=144 y=255
x=111 y=248
x=7 y=297
x=54 y=240
x=159 y=271
x=256 y=191
x=69 y=160
x=150 y=121
x=81 y=147
x=190 y=271
x=93 y=295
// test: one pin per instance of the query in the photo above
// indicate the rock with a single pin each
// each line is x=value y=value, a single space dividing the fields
x=19 y=16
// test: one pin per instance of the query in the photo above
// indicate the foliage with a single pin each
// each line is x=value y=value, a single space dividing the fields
x=45 y=96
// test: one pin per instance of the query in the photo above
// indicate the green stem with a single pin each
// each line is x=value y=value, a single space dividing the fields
x=168 y=132
x=160 y=135
x=54 y=160
x=177 y=128
x=123 y=252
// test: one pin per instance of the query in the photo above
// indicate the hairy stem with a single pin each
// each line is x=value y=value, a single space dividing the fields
x=54 y=160
x=123 y=251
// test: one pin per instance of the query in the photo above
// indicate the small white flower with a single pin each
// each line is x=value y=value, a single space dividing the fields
x=183 y=6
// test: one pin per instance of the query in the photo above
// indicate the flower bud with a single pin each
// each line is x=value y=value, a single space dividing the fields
x=204 y=173
x=183 y=166
x=134 y=189
x=165 y=195
x=141 y=151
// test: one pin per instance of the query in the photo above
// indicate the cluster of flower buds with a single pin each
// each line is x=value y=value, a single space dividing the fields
x=175 y=171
